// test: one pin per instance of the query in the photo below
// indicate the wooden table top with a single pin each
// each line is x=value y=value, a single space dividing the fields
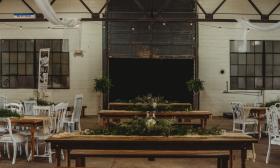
x=190 y=138
x=28 y=120
x=140 y=113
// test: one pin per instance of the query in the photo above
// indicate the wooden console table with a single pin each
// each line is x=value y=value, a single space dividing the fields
x=106 y=115
x=227 y=141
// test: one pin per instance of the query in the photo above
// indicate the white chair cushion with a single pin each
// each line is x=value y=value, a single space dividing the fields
x=18 y=138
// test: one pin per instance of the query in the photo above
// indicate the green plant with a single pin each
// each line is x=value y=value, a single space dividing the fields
x=8 y=113
x=272 y=102
x=41 y=102
x=102 y=84
x=195 y=85
x=151 y=127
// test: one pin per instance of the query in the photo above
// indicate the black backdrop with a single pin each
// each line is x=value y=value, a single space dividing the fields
x=134 y=77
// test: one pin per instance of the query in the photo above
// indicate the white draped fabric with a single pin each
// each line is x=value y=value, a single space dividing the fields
x=51 y=16
x=246 y=25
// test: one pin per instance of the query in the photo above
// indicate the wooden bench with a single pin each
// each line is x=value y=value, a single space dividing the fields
x=80 y=155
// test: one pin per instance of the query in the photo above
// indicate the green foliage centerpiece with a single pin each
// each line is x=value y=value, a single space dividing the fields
x=4 y=113
x=151 y=127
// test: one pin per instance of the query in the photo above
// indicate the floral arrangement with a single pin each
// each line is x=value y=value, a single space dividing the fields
x=151 y=103
x=151 y=127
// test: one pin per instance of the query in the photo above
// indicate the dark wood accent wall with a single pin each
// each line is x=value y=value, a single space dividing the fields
x=156 y=38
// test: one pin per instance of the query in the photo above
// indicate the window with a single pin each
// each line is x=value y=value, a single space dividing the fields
x=19 y=63
x=258 y=68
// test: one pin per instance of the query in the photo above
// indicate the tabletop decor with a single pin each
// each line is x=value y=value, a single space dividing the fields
x=8 y=113
x=155 y=103
x=151 y=127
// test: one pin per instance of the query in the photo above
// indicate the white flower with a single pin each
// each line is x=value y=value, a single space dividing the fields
x=150 y=123
x=154 y=104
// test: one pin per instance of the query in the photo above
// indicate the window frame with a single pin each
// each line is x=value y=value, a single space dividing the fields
x=263 y=76
x=35 y=54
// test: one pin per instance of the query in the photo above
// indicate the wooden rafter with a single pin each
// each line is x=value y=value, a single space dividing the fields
x=139 y=5
x=38 y=15
x=88 y=9
x=210 y=16
x=264 y=17
x=104 y=6
x=52 y=2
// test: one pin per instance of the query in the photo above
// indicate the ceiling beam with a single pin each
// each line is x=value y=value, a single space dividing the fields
x=104 y=6
x=210 y=16
x=93 y=15
x=142 y=20
x=52 y=2
x=37 y=15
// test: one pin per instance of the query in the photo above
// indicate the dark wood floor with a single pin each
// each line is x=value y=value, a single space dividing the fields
x=91 y=121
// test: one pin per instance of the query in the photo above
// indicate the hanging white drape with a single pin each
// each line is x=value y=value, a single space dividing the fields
x=51 y=16
x=246 y=25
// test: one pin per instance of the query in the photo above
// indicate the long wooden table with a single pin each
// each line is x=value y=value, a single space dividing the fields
x=106 y=115
x=33 y=123
x=227 y=141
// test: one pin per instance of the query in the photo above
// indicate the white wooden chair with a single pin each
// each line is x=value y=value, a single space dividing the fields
x=76 y=115
x=10 y=138
x=28 y=107
x=3 y=102
x=15 y=107
x=272 y=118
x=45 y=132
x=240 y=118
x=60 y=111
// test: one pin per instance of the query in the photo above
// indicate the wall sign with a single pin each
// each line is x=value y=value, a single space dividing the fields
x=43 y=71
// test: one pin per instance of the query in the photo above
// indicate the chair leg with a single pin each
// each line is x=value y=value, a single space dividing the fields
x=49 y=152
x=26 y=149
x=268 y=151
x=254 y=152
x=15 y=153
x=8 y=150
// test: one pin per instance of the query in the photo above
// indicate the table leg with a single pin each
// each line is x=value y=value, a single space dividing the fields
x=202 y=123
x=230 y=159
x=243 y=158
x=58 y=156
x=259 y=126
x=32 y=142
x=205 y=123
x=68 y=158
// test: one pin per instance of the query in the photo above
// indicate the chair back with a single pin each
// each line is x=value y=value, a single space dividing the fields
x=78 y=105
x=28 y=107
x=60 y=114
x=6 y=127
x=42 y=110
x=272 y=119
x=237 y=111
x=3 y=102
x=15 y=107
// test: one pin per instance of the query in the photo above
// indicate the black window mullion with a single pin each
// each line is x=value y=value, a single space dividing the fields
x=263 y=64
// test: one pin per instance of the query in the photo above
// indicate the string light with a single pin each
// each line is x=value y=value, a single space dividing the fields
x=132 y=28
x=163 y=24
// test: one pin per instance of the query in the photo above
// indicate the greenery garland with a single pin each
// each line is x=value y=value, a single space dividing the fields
x=8 y=113
x=151 y=103
x=151 y=127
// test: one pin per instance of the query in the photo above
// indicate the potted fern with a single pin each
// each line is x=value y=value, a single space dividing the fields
x=102 y=86
x=195 y=85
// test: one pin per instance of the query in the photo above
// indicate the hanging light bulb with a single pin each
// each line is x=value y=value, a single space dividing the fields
x=20 y=27
x=163 y=24
x=132 y=28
